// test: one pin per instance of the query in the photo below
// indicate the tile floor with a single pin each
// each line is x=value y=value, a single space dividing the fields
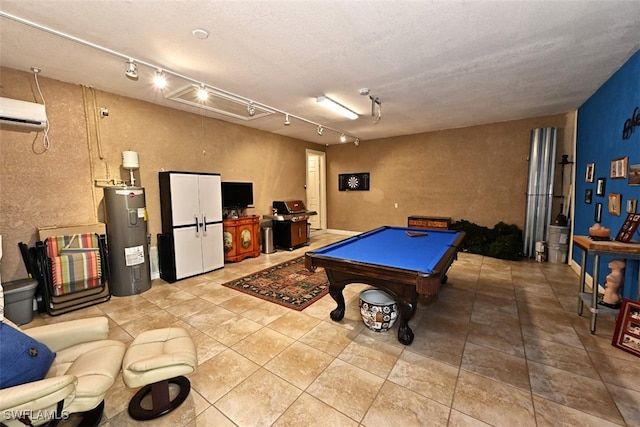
x=501 y=345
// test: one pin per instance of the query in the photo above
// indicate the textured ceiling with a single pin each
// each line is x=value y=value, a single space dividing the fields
x=433 y=64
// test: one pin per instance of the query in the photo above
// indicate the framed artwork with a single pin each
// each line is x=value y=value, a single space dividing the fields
x=590 y=169
x=600 y=186
x=619 y=168
x=597 y=216
x=632 y=205
x=588 y=195
x=614 y=204
x=627 y=333
x=634 y=175
x=629 y=227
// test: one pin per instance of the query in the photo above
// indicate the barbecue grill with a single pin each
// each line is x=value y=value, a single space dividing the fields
x=290 y=226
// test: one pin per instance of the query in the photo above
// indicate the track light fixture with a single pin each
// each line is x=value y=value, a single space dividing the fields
x=356 y=142
x=343 y=138
x=336 y=107
x=376 y=108
x=160 y=80
x=131 y=70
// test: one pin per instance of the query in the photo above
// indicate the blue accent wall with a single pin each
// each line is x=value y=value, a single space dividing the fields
x=601 y=120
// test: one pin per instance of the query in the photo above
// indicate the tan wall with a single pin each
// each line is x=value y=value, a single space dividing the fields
x=477 y=173
x=56 y=187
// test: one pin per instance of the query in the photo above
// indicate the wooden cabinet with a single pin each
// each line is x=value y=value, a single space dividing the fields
x=290 y=234
x=438 y=222
x=241 y=238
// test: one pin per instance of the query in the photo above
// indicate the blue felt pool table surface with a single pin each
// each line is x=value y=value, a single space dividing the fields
x=393 y=247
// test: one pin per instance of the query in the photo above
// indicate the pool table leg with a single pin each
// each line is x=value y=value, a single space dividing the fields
x=405 y=334
x=336 y=293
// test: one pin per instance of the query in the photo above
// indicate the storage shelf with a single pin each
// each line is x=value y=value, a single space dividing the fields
x=586 y=299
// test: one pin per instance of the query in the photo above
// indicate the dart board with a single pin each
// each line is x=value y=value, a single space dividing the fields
x=353 y=181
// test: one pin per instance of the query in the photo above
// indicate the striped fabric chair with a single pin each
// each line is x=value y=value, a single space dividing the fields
x=75 y=271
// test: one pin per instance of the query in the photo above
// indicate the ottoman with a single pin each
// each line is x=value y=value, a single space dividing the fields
x=156 y=360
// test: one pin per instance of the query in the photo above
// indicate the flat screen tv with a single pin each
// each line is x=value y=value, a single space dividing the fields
x=236 y=195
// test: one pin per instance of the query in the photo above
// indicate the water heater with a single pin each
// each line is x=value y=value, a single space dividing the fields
x=126 y=218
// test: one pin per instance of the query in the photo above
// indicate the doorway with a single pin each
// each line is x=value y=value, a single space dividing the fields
x=317 y=188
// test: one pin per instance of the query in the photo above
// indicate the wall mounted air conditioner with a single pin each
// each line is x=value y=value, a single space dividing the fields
x=22 y=113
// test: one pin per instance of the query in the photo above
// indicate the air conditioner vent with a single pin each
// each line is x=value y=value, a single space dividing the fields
x=218 y=102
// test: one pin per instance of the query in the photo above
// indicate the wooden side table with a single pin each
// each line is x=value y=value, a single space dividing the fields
x=596 y=248
x=438 y=222
x=241 y=239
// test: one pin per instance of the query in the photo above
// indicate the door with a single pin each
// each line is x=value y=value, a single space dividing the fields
x=185 y=206
x=210 y=197
x=212 y=251
x=188 y=252
x=316 y=191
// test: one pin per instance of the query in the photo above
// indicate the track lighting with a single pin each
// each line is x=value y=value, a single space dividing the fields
x=160 y=80
x=202 y=93
x=131 y=70
x=336 y=107
x=356 y=142
x=343 y=138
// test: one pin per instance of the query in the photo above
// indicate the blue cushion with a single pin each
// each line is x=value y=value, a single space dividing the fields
x=22 y=359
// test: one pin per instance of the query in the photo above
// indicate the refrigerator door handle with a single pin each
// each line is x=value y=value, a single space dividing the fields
x=197 y=225
x=204 y=223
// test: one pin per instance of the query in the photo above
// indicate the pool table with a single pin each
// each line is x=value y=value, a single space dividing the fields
x=404 y=262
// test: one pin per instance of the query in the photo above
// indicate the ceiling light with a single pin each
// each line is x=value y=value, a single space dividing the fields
x=343 y=138
x=251 y=109
x=357 y=142
x=131 y=70
x=202 y=93
x=287 y=122
x=320 y=130
x=160 y=80
x=336 y=107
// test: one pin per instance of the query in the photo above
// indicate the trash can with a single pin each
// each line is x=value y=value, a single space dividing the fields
x=266 y=236
x=18 y=300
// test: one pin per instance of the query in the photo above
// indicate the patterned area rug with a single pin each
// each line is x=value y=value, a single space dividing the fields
x=288 y=284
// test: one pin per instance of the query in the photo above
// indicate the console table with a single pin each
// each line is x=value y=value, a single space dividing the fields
x=241 y=238
x=437 y=222
x=597 y=248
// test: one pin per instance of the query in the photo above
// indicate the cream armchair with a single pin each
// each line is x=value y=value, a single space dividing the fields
x=85 y=367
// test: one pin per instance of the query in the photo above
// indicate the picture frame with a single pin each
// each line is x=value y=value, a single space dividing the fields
x=588 y=196
x=632 y=204
x=597 y=216
x=619 y=168
x=628 y=229
x=614 y=203
x=600 y=186
x=589 y=174
x=627 y=333
x=634 y=174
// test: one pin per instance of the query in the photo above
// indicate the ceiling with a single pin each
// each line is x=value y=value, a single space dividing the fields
x=433 y=64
